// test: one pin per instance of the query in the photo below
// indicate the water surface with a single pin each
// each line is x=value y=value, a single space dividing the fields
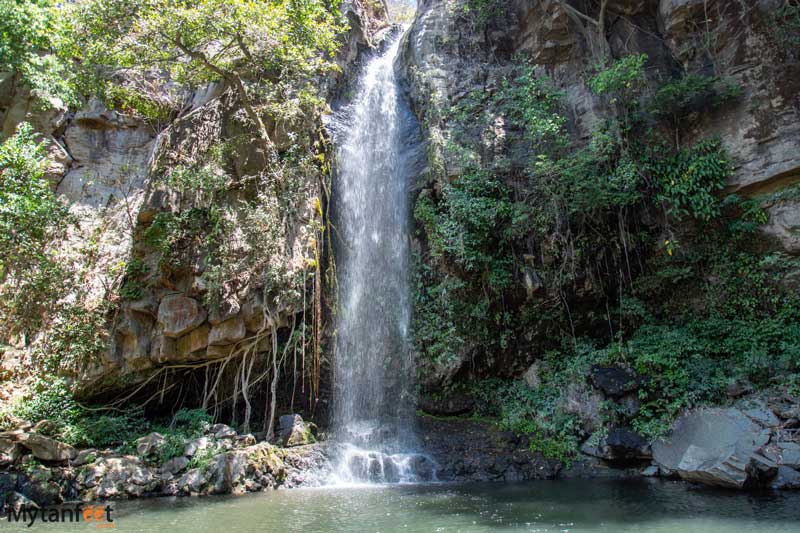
x=545 y=506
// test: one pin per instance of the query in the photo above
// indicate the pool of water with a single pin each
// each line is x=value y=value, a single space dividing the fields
x=559 y=506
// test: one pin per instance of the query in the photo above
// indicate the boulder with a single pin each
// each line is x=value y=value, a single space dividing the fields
x=174 y=466
x=614 y=381
x=178 y=315
x=786 y=479
x=150 y=444
x=193 y=481
x=85 y=457
x=193 y=342
x=621 y=444
x=114 y=477
x=196 y=445
x=532 y=378
x=227 y=332
x=223 y=431
x=48 y=449
x=784 y=454
x=762 y=414
x=293 y=431
x=719 y=447
x=449 y=404
x=10 y=450
x=162 y=349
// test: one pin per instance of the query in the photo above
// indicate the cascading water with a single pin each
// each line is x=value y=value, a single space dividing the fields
x=373 y=401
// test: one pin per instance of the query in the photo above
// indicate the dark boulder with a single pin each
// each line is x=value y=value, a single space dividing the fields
x=614 y=381
x=722 y=447
x=620 y=445
x=452 y=404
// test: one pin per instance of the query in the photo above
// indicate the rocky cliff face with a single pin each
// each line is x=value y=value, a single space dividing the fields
x=509 y=281
x=454 y=51
x=186 y=268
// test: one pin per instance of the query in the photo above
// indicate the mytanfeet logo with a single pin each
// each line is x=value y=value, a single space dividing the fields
x=99 y=515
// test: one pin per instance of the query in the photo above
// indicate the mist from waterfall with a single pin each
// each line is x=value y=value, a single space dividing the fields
x=377 y=139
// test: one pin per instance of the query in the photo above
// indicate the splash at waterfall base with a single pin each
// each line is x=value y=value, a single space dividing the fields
x=456 y=450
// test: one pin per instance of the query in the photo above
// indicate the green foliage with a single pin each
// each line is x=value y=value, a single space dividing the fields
x=132 y=286
x=267 y=51
x=786 y=22
x=624 y=78
x=691 y=93
x=51 y=399
x=690 y=179
x=31 y=36
x=76 y=336
x=479 y=11
x=31 y=277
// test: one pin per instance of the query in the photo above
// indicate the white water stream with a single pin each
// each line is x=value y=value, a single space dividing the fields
x=373 y=370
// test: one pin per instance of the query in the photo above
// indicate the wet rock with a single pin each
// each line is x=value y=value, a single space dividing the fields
x=470 y=450
x=178 y=315
x=48 y=449
x=716 y=447
x=621 y=444
x=39 y=484
x=614 y=381
x=193 y=481
x=784 y=454
x=150 y=444
x=423 y=467
x=449 y=404
x=786 y=479
x=650 y=471
x=293 y=431
x=16 y=501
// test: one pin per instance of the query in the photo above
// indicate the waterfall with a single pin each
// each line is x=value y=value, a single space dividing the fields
x=373 y=409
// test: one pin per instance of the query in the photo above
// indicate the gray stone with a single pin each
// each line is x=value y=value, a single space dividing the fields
x=650 y=471
x=175 y=465
x=86 y=456
x=293 y=431
x=150 y=444
x=193 y=481
x=531 y=376
x=48 y=449
x=227 y=332
x=178 y=315
x=762 y=414
x=620 y=444
x=223 y=431
x=196 y=445
x=784 y=454
x=10 y=450
x=614 y=381
x=716 y=447
x=786 y=479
